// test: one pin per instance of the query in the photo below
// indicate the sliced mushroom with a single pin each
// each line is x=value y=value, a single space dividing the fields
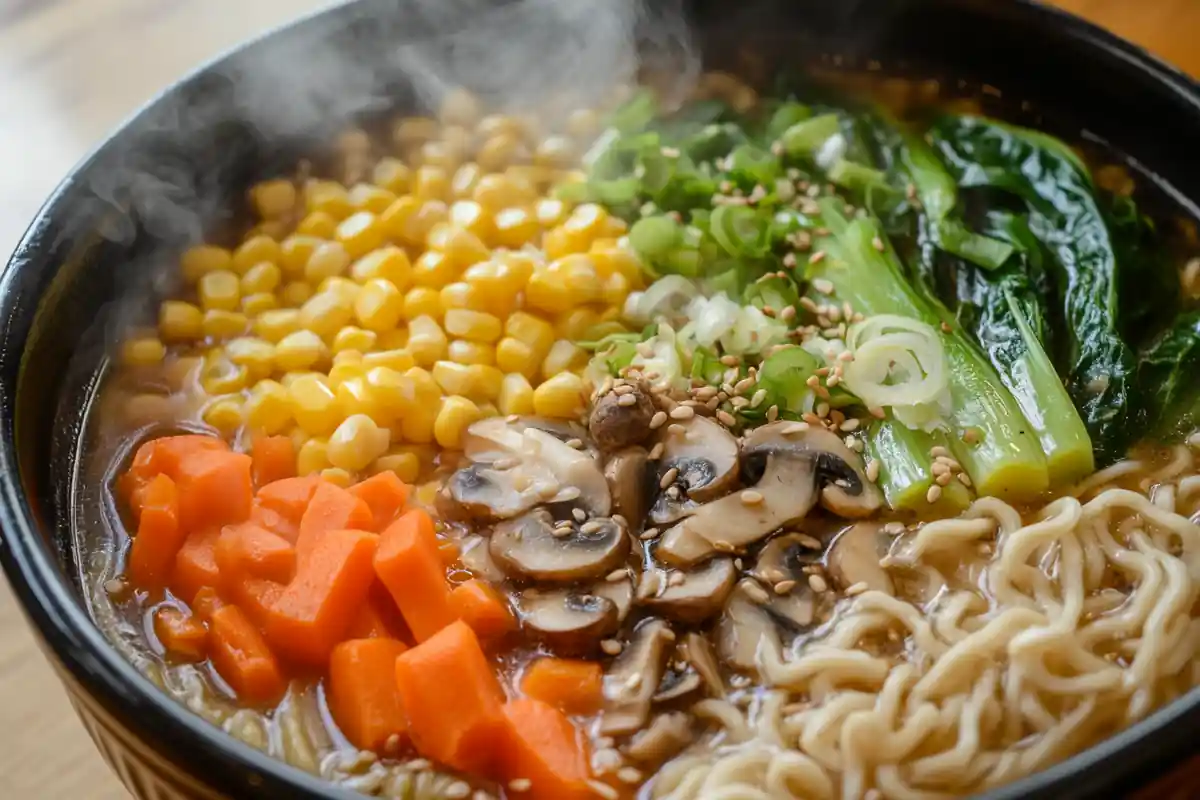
x=617 y=422
x=532 y=546
x=854 y=558
x=491 y=439
x=568 y=622
x=744 y=627
x=629 y=482
x=785 y=557
x=474 y=555
x=704 y=457
x=676 y=684
x=619 y=592
x=697 y=651
x=693 y=597
x=664 y=738
x=633 y=678
x=680 y=546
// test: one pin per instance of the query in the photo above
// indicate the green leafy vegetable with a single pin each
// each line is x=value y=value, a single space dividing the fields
x=1170 y=371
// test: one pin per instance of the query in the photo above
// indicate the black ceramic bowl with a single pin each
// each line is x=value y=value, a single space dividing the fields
x=148 y=191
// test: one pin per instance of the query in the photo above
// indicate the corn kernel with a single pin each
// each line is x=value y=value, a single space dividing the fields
x=485 y=381
x=575 y=323
x=488 y=409
x=375 y=199
x=464 y=180
x=219 y=375
x=360 y=233
x=515 y=227
x=461 y=247
x=179 y=321
x=459 y=107
x=578 y=274
x=617 y=261
x=616 y=288
x=355 y=397
x=325 y=313
x=495 y=192
x=554 y=151
x=256 y=355
x=338 y=477
x=273 y=199
x=352 y=339
x=224 y=414
x=220 y=290
x=422 y=301
x=536 y=179
x=143 y=352
x=476 y=326
x=262 y=277
x=357 y=442
x=564 y=356
x=550 y=212
x=472 y=217
x=220 y=324
x=329 y=260
x=513 y=355
x=430 y=214
x=398 y=360
x=434 y=269
x=330 y=197
x=431 y=183
x=440 y=155
x=453 y=378
x=461 y=294
x=313 y=457
x=302 y=349
x=462 y=351
x=414 y=130
x=203 y=259
x=295 y=294
x=407 y=466
x=379 y=305
x=391 y=391
x=389 y=263
x=417 y=425
x=391 y=174
x=341 y=287
x=395 y=339
x=498 y=152
x=561 y=396
x=257 y=303
x=294 y=253
x=253 y=251
x=547 y=291
x=532 y=330
x=318 y=224
x=516 y=395
x=275 y=324
x=314 y=405
x=453 y=418
x=268 y=410
x=603 y=328
x=426 y=340
x=396 y=218
x=559 y=242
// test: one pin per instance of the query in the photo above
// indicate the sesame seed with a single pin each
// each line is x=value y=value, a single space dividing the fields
x=676 y=579
x=946 y=327
x=783 y=587
x=934 y=494
x=726 y=419
x=611 y=646
x=520 y=784
x=579 y=514
x=939 y=469
x=629 y=775
x=964 y=479
x=624 y=388
x=756 y=592
x=944 y=479
x=115 y=586
x=758 y=398
x=877 y=243
x=873 y=471
x=938 y=450
x=811 y=542
x=809 y=304
x=772 y=413
x=658 y=420
x=591 y=527
x=793 y=427
x=823 y=409
x=575 y=444
x=604 y=790
x=683 y=412
x=668 y=477
x=751 y=497
x=648 y=534
x=626 y=400
x=743 y=385
x=458 y=789
x=673 y=492
x=894 y=528
x=656 y=452
x=820 y=284
x=817 y=583
x=739 y=403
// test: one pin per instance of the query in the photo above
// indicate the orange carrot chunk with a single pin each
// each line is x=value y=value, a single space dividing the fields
x=273 y=521
x=164 y=455
x=479 y=605
x=453 y=702
x=214 y=488
x=248 y=550
x=573 y=687
x=315 y=610
x=331 y=508
x=410 y=567
x=159 y=535
x=256 y=597
x=181 y=634
x=241 y=657
x=378 y=618
x=274 y=458
x=196 y=565
x=545 y=749
x=289 y=497
x=205 y=603
x=363 y=695
x=385 y=494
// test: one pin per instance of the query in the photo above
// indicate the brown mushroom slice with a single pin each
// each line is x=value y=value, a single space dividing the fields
x=704 y=457
x=697 y=651
x=664 y=738
x=619 y=592
x=743 y=628
x=784 y=558
x=616 y=422
x=693 y=597
x=677 y=684
x=568 y=622
x=629 y=482
x=533 y=547
x=474 y=555
x=679 y=546
x=854 y=557
x=491 y=439
x=633 y=678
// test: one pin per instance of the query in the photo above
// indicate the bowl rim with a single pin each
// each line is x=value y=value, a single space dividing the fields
x=68 y=634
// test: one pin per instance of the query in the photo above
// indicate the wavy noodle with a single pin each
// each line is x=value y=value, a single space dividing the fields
x=1048 y=633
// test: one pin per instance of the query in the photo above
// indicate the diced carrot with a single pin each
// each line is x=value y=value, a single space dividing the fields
x=159 y=535
x=274 y=459
x=205 y=603
x=165 y=454
x=289 y=497
x=479 y=605
x=214 y=488
x=196 y=565
x=449 y=551
x=363 y=695
x=256 y=597
x=315 y=610
x=378 y=618
x=273 y=521
x=331 y=508
x=453 y=702
x=409 y=565
x=250 y=551
x=545 y=749
x=385 y=494
x=573 y=687
x=241 y=657
x=181 y=634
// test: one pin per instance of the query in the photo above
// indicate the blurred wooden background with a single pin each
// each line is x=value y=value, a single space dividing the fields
x=71 y=70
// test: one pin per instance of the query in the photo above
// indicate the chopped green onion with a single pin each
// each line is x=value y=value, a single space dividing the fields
x=787 y=115
x=805 y=138
x=740 y=231
x=655 y=237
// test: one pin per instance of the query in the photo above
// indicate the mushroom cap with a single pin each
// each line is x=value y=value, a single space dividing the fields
x=680 y=546
x=630 y=482
x=784 y=558
x=697 y=595
x=697 y=650
x=743 y=628
x=490 y=439
x=620 y=592
x=676 y=684
x=705 y=457
x=615 y=423
x=633 y=678
x=854 y=557
x=665 y=737
x=474 y=555
x=566 y=621
x=531 y=546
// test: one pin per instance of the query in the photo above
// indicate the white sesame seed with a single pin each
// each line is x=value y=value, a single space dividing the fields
x=579 y=514
x=944 y=479
x=458 y=789
x=755 y=592
x=604 y=790
x=758 y=398
x=726 y=419
x=934 y=494
x=682 y=412
x=817 y=583
x=751 y=497
x=611 y=646
x=626 y=400
x=783 y=587
x=520 y=784
x=629 y=775
x=656 y=452
x=668 y=477
x=938 y=450
x=877 y=243
x=964 y=479
x=872 y=471
x=820 y=284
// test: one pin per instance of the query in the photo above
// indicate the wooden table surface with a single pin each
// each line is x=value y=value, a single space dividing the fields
x=70 y=70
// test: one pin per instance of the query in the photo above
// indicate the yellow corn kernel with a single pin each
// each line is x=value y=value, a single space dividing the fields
x=219 y=375
x=588 y=219
x=398 y=360
x=379 y=305
x=396 y=218
x=417 y=424
x=485 y=381
x=488 y=409
x=360 y=233
x=313 y=457
x=357 y=442
x=219 y=324
x=516 y=395
x=314 y=405
x=461 y=247
x=256 y=355
x=375 y=199
x=499 y=191
x=578 y=273
x=262 y=277
x=329 y=260
x=253 y=251
x=513 y=355
x=351 y=338
x=463 y=183
x=268 y=409
x=142 y=352
x=257 y=303
x=453 y=418
x=561 y=396
x=462 y=351
x=224 y=414
x=459 y=107
x=338 y=477
x=495 y=124
x=559 y=242
x=295 y=294
x=550 y=212
x=390 y=263
x=294 y=253
x=203 y=259
x=461 y=294
x=430 y=214
x=341 y=287
x=477 y=326
x=179 y=321
x=325 y=313
x=532 y=330
x=564 y=356
x=392 y=174
x=414 y=130
x=275 y=324
x=453 y=378
x=498 y=152
x=354 y=396
x=395 y=339
x=555 y=151
x=390 y=390
x=472 y=217
x=431 y=183
x=515 y=227
x=318 y=224
x=617 y=261
x=348 y=356
x=422 y=301
x=273 y=199
x=575 y=323
x=547 y=291
x=616 y=288
x=220 y=290
x=407 y=466
x=302 y=349
x=426 y=340
x=330 y=197
x=434 y=269
x=437 y=154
